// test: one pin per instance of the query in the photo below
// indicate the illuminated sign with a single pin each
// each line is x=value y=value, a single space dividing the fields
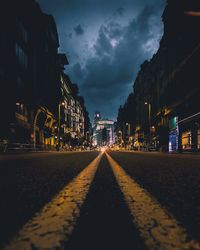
x=173 y=123
x=173 y=134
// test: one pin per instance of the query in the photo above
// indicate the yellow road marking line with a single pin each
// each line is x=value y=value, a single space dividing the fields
x=158 y=228
x=56 y=221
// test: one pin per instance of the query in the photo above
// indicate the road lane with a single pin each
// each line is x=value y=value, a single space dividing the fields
x=172 y=179
x=55 y=222
x=159 y=229
x=105 y=221
x=29 y=181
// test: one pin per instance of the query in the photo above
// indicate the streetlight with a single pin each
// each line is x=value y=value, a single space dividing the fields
x=129 y=128
x=120 y=132
x=59 y=105
x=149 y=115
x=128 y=132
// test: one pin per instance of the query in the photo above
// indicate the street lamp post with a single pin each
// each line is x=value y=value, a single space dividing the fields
x=59 y=127
x=129 y=130
x=120 y=132
x=149 y=117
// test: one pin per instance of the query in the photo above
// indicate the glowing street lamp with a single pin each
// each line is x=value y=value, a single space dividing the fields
x=120 y=136
x=149 y=116
x=149 y=113
x=59 y=105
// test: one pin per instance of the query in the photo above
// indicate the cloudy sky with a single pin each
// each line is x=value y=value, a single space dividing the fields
x=105 y=42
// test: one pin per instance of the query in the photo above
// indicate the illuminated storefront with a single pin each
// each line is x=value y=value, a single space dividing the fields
x=189 y=128
x=186 y=140
x=173 y=134
x=198 y=139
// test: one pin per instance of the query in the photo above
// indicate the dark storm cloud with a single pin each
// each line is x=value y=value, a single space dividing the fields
x=113 y=30
x=77 y=70
x=102 y=46
x=106 y=55
x=119 y=51
x=120 y=11
x=79 y=30
x=69 y=35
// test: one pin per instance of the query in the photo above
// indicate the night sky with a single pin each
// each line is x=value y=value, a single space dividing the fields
x=106 y=41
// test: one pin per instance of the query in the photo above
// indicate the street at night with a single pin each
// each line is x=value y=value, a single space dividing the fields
x=100 y=125
x=42 y=208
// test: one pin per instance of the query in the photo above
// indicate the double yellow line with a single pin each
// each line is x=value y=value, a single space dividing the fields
x=55 y=222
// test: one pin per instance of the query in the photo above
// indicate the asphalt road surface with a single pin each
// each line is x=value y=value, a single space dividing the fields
x=93 y=200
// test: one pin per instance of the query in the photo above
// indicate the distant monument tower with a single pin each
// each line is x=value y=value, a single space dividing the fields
x=97 y=117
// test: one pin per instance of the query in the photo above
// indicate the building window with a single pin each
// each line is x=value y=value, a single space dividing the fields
x=20 y=108
x=186 y=140
x=198 y=139
x=21 y=56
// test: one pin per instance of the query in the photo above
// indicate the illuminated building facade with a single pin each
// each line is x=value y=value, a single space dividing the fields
x=166 y=108
x=31 y=73
x=103 y=131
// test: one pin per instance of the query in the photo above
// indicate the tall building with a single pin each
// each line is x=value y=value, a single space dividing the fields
x=29 y=72
x=166 y=90
x=33 y=85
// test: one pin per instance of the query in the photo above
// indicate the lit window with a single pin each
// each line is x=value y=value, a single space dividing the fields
x=198 y=138
x=186 y=140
